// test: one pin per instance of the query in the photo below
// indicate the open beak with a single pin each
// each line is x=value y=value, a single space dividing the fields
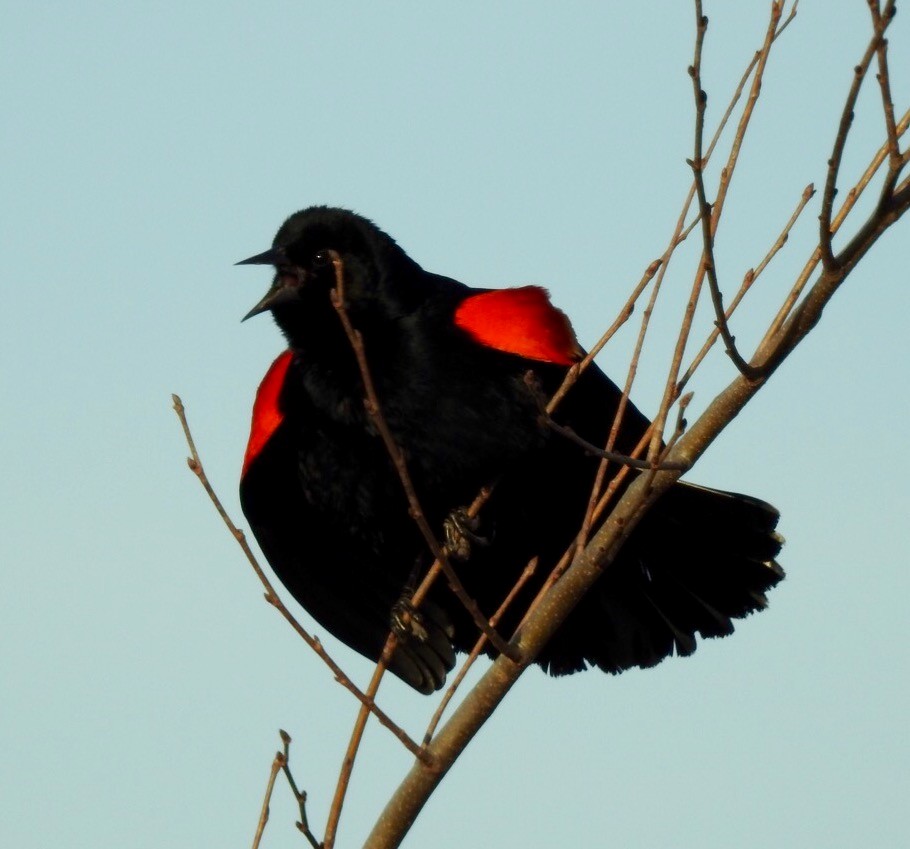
x=284 y=287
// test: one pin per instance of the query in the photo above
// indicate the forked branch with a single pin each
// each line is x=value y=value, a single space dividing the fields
x=605 y=542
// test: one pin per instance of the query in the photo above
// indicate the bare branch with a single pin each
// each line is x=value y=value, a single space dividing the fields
x=849 y=202
x=711 y=217
x=303 y=825
x=588 y=567
x=624 y=315
x=748 y=280
x=613 y=456
x=880 y=22
x=272 y=597
x=401 y=467
x=775 y=28
x=709 y=263
x=388 y=650
x=846 y=121
x=277 y=764
x=680 y=234
x=477 y=649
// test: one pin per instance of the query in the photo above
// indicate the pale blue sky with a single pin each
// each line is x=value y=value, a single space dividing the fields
x=147 y=147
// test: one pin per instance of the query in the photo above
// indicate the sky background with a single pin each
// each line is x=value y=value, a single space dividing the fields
x=147 y=147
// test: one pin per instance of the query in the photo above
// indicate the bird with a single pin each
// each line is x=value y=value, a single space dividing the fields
x=450 y=364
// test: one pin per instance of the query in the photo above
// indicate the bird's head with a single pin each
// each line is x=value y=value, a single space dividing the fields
x=377 y=273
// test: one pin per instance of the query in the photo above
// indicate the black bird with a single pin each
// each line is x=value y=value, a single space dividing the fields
x=449 y=363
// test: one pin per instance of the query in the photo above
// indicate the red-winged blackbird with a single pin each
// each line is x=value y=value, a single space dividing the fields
x=449 y=363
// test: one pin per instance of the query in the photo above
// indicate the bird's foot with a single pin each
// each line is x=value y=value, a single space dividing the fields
x=407 y=622
x=461 y=532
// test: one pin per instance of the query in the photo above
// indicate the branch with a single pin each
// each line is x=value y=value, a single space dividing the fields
x=709 y=265
x=477 y=649
x=749 y=278
x=709 y=218
x=680 y=233
x=350 y=755
x=277 y=764
x=303 y=825
x=401 y=467
x=477 y=706
x=846 y=121
x=272 y=597
x=441 y=562
x=880 y=22
x=615 y=457
x=600 y=551
x=388 y=650
x=849 y=202
x=624 y=315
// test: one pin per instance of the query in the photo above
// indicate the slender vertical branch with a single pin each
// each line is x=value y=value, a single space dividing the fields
x=441 y=562
x=195 y=465
x=375 y=411
x=826 y=233
x=880 y=22
x=710 y=217
x=624 y=315
x=850 y=200
x=598 y=554
x=523 y=578
x=350 y=755
x=303 y=825
x=748 y=280
x=277 y=763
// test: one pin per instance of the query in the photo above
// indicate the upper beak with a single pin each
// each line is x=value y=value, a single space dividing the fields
x=273 y=256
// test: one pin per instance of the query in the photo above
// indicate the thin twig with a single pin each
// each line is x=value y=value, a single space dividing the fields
x=440 y=564
x=548 y=421
x=710 y=267
x=613 y=456
x=527 y=572
x=350 y=755
x=748 y=280
x=892 y=204
x=624 y=315
x=630 y=379
x=347 y=765
x=277 y=763
x=272 y=597
x=775 y=28
x=846 y=121
x=303 y=825
x=710 y=217
x=375 y=412
x=451 y=739
x=772 y=33
x=678 y=431
x=680 y=234
x=849 y=202
x=880 y=22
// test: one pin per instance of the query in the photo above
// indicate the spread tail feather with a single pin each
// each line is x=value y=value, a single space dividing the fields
x=700 y=559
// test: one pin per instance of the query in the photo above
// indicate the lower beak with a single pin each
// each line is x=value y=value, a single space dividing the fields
x=284 y=289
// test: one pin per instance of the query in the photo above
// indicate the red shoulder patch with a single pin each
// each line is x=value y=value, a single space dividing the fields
x=267 y=415
x=520 y=321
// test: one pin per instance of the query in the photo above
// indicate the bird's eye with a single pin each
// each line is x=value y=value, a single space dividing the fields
x=321 y=259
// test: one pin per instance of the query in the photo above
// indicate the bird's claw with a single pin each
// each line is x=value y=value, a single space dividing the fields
x=460 y=529
x=407 y=622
